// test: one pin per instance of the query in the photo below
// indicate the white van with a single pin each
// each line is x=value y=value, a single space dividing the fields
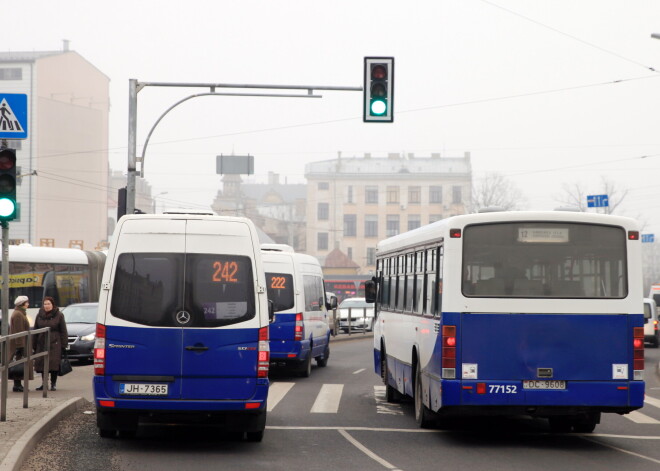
x=651 y=333
x=301 y=329
x=182 y=329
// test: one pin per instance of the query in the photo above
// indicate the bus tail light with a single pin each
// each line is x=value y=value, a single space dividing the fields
x=263 y=355
x=298 y=328
x=449 y=351
x=638 y=353
x=99 y=350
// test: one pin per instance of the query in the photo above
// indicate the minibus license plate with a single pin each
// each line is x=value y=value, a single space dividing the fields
x=544 y=384
x=140 y=389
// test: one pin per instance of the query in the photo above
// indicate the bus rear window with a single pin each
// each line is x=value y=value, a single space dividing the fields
x=544 y=260
x=279 y=287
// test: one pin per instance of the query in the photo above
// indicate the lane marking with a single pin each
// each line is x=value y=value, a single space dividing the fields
x=622 y=450
x=384 y=407
x=327 y=401
x=276 y=392
x=652 y=400
x=359 y=371
x=640 y=418
x=367 y=451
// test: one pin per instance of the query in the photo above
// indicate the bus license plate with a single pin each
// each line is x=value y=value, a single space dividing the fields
x=141 y=389
x=544 y=384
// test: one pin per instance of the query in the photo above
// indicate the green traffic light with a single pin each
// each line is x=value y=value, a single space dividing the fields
x=7 y=207
x=378 y=107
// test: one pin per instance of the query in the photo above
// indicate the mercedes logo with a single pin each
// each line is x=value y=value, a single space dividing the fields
x=182 y=317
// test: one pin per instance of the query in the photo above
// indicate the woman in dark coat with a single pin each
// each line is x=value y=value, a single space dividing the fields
x=19 y=323
x=50 y=316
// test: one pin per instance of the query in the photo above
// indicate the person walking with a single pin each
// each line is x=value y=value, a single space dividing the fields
x=50 y=316
x=19 y=322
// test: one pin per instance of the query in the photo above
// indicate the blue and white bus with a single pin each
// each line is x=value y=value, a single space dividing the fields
x=535 y=313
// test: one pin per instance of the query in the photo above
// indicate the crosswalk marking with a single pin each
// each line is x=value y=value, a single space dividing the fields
x=327 y=401
x=640 y=418
x=384 y=407
x=653 y=401
x=276 y=392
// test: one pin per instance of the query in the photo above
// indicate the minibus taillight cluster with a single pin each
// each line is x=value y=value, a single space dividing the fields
x=449 y=351
x=298 y=328
x=263 y=355
x=99 y=350
x=638 y=353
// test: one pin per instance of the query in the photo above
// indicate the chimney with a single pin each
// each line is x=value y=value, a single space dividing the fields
x=273 y=178
x=65 y=45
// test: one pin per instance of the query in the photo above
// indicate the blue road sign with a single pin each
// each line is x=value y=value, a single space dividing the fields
x=13 y=116
x=648 y=238
x=597 y=201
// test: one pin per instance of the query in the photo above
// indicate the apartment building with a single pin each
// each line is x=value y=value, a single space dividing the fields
x=352 y=203
x=63 y=192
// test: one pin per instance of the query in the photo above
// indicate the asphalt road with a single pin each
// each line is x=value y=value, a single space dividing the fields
x=338 y=419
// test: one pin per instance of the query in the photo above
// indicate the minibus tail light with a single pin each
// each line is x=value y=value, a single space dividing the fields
x=99 y=350
x=263 y=355
x=298 y=328
x=638 y=352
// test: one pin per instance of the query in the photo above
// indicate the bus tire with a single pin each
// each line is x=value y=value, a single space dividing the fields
x=322 y=361
x=423 y=415
x=107 y=433
x=254 y=437
x=560 y=424
x=656 y=341
x=391 y=394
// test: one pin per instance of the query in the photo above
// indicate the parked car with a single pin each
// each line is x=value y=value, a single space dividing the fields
x=81 y=327
x=651 y=333
x=361 y=314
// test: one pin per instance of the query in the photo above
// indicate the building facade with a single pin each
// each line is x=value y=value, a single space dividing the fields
x=352 y=203
x=63 y=191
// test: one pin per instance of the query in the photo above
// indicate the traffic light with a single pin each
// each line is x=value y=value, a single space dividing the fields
x=378 y=89
x=8 y=204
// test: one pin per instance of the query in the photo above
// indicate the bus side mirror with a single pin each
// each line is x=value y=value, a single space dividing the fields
x=271 y=311
x=370 y=291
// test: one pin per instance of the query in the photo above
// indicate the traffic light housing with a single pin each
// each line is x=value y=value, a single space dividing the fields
x=8 y=204
x=378 y=90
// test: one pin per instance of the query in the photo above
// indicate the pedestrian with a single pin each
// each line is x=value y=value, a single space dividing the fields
x=50 y=316
x=19 y=323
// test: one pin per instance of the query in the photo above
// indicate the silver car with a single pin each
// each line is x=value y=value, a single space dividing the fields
x=361 y=315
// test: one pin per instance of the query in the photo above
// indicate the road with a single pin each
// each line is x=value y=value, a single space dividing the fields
x=338 y=419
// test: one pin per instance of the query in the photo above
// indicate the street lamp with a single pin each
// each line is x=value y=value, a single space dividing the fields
x=155 y=202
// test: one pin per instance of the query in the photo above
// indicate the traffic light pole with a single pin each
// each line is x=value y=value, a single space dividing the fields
x=5 y=278
x=134 y=87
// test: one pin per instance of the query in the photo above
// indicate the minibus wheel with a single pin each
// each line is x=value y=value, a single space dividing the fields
x=306 y=367
x=322 y=361
x=254 y=436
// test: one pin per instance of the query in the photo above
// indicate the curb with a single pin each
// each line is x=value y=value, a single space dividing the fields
x=26 y=443
x=345 y=337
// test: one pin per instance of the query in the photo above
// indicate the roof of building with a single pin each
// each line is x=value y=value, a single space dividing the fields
x=25 y=56
x=338 y=259
x=392 y=165
x=288 y=192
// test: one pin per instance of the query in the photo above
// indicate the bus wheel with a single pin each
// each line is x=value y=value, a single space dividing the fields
x=560 y=424
x=656 y=341
x=423 y=415
x=254 y=436
x=584 y=427
x=322 y=361
x=107 y=433
x=306 y=368
x=391 y=394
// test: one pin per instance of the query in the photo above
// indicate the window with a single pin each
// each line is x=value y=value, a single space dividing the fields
x=434 y=217
x=414 y=221
x=371 y=256
x=456 y=195
x=324 y=186
x=11 y=73
x=313 y=292
x=545 y=260
x=322 y=241
x=349 y=194
x=371 y=225
x=323 y=211
x=350 y=225
x=392 y=228
x=371 y=194
x=435 y=194
x=392 y=194
x=148 y=289
x=414 y=194
x=279 y=287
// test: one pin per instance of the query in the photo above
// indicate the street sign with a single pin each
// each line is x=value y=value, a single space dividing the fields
x=13 y=116
x=597 y=201
x=234 y=164
x=648 y=238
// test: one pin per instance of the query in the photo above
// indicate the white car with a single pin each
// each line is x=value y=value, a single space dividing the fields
x=361 y=314
x=651 y=333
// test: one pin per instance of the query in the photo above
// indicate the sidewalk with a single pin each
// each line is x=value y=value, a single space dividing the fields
x=24 y=427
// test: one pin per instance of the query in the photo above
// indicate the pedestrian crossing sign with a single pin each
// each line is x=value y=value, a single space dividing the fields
x=13 y=116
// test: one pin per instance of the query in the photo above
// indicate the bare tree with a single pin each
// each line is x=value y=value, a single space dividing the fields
x=575 y=195
x=494 y=190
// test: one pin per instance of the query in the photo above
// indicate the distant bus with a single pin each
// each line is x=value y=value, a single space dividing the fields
x=67 y=275
x=536 y=313
x=344 y=286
